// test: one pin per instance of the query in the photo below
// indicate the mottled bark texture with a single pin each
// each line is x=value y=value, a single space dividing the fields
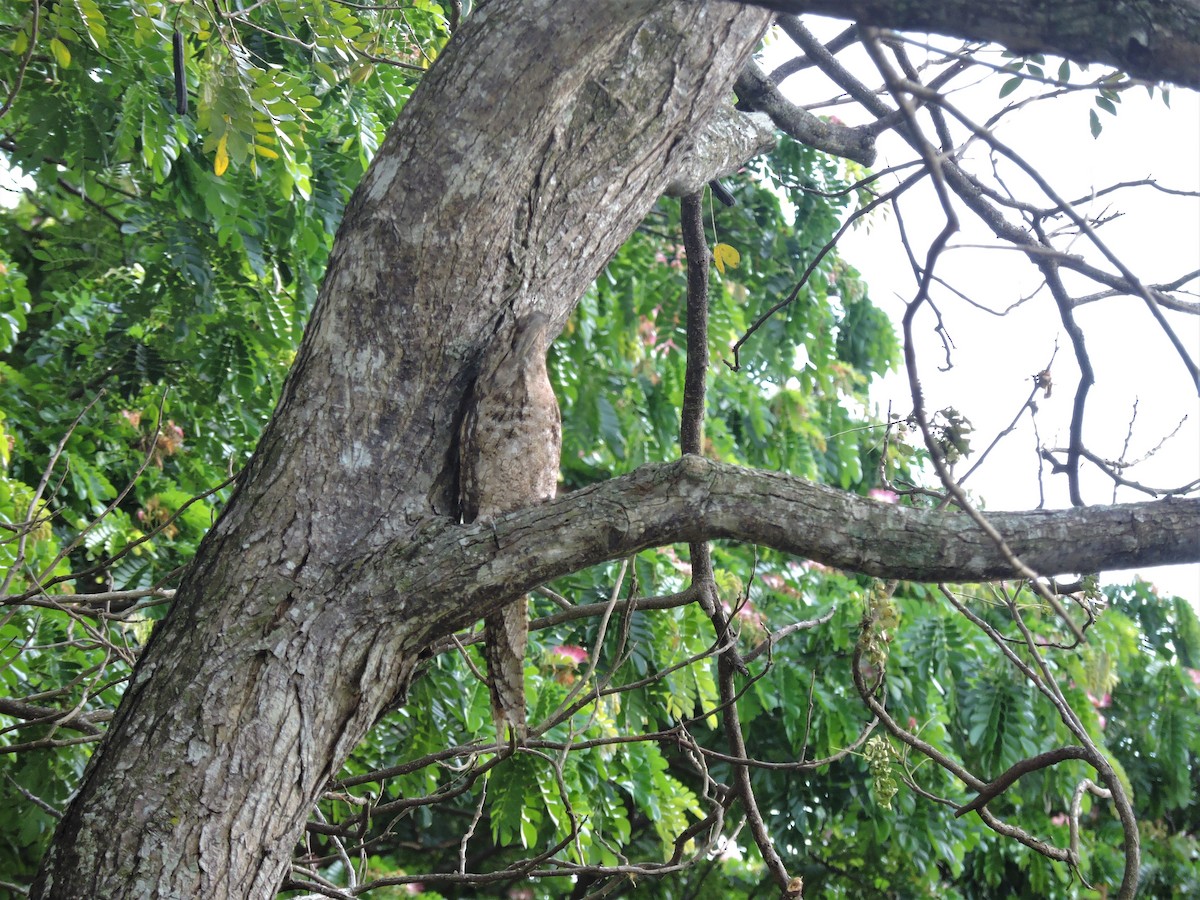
x=527 y=155
x=530 y=151
x=696 y=498
x=509 y=447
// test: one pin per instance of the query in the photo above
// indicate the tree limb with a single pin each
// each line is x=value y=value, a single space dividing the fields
x=755 y=88
x=1158 y=42
x=728 y=140
x=696 y=499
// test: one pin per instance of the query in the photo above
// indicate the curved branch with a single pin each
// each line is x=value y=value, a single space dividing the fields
x=755 y=88
x=998 y=786
x=697 y=499
x=726 y=142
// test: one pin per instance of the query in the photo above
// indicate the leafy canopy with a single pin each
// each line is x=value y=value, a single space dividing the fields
x=156 y=269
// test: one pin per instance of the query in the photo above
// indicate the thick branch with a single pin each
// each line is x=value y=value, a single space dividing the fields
x=1157 y=41
x=755 y=88
x=697 y=499
x=728 y=140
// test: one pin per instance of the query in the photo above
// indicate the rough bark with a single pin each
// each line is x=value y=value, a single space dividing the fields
x=1158 y=40
x=524 y=159
x=528 y=154
x=697 y=499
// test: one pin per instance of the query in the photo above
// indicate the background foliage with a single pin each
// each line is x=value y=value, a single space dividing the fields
x=156 y=269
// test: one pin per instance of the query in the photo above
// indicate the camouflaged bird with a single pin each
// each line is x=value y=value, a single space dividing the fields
x=508 y=458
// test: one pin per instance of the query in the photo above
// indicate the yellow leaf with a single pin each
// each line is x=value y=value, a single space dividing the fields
x=60 y=51
x=725 y=255
x=264 y=151
x=221 y=163
x=20 y=43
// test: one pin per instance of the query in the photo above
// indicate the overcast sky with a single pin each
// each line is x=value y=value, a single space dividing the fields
x=1158 y=237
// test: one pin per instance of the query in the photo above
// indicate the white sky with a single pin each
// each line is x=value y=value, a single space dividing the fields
x=1158 y=237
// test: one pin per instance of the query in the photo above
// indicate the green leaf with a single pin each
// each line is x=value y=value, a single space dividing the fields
x=514 y=800
x=93 y=20
x=1011 y=85
x=61 y=54
x=610 y=427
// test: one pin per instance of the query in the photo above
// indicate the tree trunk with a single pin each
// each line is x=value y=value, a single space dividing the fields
x=528 y=154
x=521 y=163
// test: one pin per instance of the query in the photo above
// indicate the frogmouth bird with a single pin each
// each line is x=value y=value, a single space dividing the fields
x=508 y=458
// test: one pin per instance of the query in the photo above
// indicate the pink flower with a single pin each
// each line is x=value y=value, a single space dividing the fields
x=883 y=496
x=569 y=653
x=564 y=662
x=647 y=331
x=752 y=617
